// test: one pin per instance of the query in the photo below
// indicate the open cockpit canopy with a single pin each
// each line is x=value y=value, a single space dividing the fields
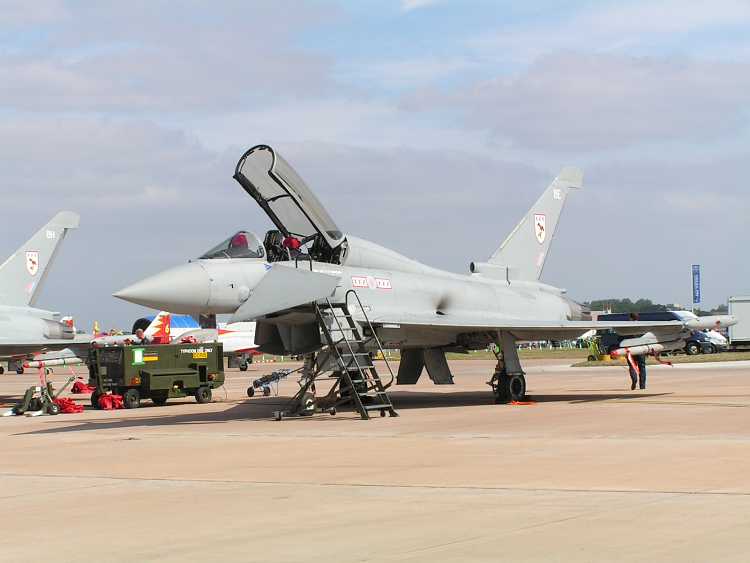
x=285 y=197
x=242 y=244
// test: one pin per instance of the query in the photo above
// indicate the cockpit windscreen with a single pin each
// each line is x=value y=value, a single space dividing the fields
x=242 y=244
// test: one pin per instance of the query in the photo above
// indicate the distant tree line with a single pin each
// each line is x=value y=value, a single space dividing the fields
x=644 y=306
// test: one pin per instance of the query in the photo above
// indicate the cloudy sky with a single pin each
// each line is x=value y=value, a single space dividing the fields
x=428 y=126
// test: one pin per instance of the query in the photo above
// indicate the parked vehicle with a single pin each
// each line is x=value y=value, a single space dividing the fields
x=739 y=334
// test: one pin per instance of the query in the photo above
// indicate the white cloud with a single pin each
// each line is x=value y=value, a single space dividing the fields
x=23 y=12
x=642 y=26
x=576 y=102
x=406 y=73
x=135 y=57
x=409 y=5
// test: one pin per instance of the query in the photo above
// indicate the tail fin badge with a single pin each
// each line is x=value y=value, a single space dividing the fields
x=540 y=227
x=32 y=262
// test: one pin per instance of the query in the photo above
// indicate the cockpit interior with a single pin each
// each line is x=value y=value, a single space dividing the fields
x=276 y=247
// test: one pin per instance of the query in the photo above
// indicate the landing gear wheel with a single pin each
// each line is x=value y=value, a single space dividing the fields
x=95 y=396
x=692 y=349
x=2 y=370
x=266 y=391
x=243 y=366
x=251 y=391
x=131 y=399
x=203 y=395
x=19 y=371
x=53 y=409
x=510 y=388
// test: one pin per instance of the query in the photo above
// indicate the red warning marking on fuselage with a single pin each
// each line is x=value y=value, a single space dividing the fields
x=369 y=282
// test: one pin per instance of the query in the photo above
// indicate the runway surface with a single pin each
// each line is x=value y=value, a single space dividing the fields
x=590 y=471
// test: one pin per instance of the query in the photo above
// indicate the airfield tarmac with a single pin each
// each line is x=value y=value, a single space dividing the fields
x=590 y=471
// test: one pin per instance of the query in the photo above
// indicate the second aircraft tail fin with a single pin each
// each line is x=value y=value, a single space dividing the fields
x=525 y=250
x=24 y=272
x=160 y=328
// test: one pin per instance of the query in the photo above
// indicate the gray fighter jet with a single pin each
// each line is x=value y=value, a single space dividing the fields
x=307 y=262
x=24 y=329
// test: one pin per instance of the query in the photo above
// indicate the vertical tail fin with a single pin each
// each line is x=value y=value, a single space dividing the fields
x=24 y=273
x=160 y=328
x=525 y=250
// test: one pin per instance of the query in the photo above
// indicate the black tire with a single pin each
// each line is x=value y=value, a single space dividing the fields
x=53 y=409
x=95 y=399
x=203 y=395
x=266 y=391
x=251 y=391
x=511 y=388
x=692 y=349
x=2 y=370
x=592 y=358
x=243 y=366
x=711 y=349
x=159 y=400
x=34 y=405
x=131 y=399
x=19 y=371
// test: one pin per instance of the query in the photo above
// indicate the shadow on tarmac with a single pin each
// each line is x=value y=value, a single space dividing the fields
x=262 y=408
x=420 y=400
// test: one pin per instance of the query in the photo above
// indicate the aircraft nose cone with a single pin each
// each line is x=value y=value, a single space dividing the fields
x=184 y=289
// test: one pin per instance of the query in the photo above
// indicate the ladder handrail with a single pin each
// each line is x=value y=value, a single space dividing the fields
x=372 y=331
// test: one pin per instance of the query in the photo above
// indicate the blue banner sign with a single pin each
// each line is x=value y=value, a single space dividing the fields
x=696 y=284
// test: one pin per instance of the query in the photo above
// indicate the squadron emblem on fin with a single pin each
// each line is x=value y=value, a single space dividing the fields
x=540 y=227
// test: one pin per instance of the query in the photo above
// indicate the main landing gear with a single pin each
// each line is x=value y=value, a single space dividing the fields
x=508 y=382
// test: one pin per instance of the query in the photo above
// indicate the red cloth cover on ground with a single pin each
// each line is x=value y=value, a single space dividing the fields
x=81 y=387
x=110 y=402
x=67 y=405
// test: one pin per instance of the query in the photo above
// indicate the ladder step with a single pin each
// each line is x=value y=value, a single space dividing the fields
x=381 y=406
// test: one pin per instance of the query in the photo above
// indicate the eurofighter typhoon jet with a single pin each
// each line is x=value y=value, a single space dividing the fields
x=24 y=329
x=306 y=264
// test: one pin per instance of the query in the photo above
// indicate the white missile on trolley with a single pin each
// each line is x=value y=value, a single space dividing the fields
x=33 y=364
x=648 y=349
